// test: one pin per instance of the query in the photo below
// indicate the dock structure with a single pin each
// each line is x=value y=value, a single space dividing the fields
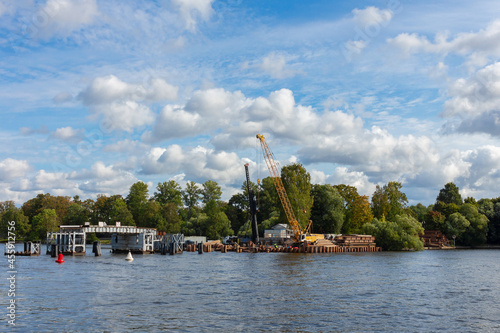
x=30 y=249
x=170 y=243
x=71 y=239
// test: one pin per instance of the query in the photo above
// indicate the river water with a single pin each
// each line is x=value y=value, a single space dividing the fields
x=428 y=291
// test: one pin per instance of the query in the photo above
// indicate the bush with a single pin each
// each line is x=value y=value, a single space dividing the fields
x=400 y=234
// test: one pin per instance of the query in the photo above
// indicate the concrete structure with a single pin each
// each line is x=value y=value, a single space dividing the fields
x=71 y=239
x=195 y=239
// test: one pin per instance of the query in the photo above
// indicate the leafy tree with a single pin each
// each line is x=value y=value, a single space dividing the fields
x=211 y=192
x=151 y=215
x=297 y=183
x=357 y=209
x=456 y=224
x=327 y=212
x=44 y=222
x=76 y=215
x=9 y=212
x=237 y=211
x=400 y=234
x=172 y=221
x=380 y=203
x=169 y=192
x=420 y=212
x=477 y=231
x=137 y=200
x=89 y=206
x=41 y=202
x=450 y=195
x=120 y=213
x=217 y=224
x=102 y=208
x=389 y=201
x=191 y=196
x=361 y=213
x=196 y=226
x=446 y=208
x=267 y=199
x=435 y=221
x=491 y=209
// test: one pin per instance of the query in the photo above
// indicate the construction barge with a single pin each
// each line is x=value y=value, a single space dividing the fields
x=339 y=244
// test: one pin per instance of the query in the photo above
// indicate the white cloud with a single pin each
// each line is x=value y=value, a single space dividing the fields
x=118 y=102
x=108 y=89
x=68 y=134
x=127 y=146
x=371 y=16
x=474 y=104
x=62 y=17
x=11 y=168
x=105 y=179
x=477 y=46
x=358 y=179
x=190 y=10
x=276 y=66
x=124 y=116
x=198 y=164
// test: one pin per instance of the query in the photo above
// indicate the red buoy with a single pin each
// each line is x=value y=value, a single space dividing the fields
x=60 y=259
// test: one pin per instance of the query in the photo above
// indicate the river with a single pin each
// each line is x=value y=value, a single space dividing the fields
x=428 y=291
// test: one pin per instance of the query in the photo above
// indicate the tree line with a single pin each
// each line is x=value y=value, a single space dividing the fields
x=334 y=209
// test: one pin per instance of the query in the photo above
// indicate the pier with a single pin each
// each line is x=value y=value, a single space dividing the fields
x=71 y=239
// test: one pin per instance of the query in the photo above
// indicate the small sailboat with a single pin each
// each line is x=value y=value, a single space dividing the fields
x=129 y=256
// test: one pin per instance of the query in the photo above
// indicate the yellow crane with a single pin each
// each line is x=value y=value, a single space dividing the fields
x=300 y=235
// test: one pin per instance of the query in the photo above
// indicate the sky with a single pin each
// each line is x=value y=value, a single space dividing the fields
x=97 y=95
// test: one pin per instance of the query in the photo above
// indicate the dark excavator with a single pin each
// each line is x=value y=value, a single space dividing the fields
x=253 y=209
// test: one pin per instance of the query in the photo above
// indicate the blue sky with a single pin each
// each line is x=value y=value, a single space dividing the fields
x=96 y=95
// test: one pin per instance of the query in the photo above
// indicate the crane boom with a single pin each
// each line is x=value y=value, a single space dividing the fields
x=275 y=174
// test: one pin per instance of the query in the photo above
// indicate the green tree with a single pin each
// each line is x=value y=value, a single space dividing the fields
x=435 y=221
x=41 y=202
x=171 y=218
x=211 y=192
x=388 y=201
x=217 y=224
x=75 y=215
x=89 y=206
x=446 y=208
x=237 y=211
x=491 y=209
x=120 y=213
x=400 y=234
x=137 y=200
x=450 y=195
x=327 y=212
x=456 y=224
x=267 y=199
x=9 y=212
x=191 y=196
x=361 y=213
x=297 y=183
x=477 y=231
x=102 y=208
x=169 y=192
x=44 y=222
x=151 y=215
x=420 y=212
x=380 y=203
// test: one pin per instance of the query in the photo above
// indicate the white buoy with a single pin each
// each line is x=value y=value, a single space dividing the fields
x=129 y=257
